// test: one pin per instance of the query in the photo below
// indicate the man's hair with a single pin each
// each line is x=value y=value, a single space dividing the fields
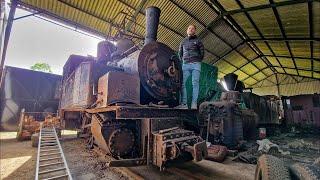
x=193 y=26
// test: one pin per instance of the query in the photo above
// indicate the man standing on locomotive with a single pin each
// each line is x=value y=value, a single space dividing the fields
x=191 y=52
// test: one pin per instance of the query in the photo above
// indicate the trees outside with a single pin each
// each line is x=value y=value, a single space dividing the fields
x=44 y=67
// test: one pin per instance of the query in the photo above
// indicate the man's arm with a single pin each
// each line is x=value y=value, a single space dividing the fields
x=181 y=51
x=201 y=49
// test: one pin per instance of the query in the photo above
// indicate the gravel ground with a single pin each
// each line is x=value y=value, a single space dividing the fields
x=85 y=164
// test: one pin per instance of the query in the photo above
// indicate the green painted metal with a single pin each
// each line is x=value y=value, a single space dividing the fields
x=209 y=89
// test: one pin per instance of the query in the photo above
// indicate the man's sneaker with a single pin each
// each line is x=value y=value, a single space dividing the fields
x=182 y=106
x=194 y=106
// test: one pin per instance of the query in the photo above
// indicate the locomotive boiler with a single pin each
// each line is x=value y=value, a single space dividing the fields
x=121 y=101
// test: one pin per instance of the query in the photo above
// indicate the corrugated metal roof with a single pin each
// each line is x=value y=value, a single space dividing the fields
x=290 y=89
x=254 y=39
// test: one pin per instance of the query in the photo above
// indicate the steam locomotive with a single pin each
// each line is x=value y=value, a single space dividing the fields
x=122 y=101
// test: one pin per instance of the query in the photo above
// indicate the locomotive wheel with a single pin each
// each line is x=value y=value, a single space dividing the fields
x=121 y=142
x=271 y=168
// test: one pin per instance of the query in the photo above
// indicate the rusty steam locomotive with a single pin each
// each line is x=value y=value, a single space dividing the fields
x=122 y=101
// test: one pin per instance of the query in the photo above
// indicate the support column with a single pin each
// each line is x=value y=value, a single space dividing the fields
x=281 y=110
x=6 y=37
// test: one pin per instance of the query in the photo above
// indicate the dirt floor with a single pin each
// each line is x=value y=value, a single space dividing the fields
x=85 y=164
x=18 y=160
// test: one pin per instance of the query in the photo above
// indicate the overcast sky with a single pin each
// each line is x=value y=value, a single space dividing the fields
x=34 y=40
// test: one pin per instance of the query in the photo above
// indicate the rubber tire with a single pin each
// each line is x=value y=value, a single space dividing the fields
x=35 y=140
x=317 y=162
x=303 y=171
x=271 y=168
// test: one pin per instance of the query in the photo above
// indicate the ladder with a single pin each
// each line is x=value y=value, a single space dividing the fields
x=51 y=163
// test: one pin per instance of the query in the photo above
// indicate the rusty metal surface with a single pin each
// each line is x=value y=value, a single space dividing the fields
x=82 y=87
x=217 y=153
x=158 y=70
x=267 y=109
x=118 y=87
x=223 y=121
x=72 y=63
x=174 y=143
x=152 y=22
x=116 y=138
x=78 y=87
x=140 y=112
x=250 y=121
x=141 y=140
x=96 y=130
x=121 y=141
x=104 y=50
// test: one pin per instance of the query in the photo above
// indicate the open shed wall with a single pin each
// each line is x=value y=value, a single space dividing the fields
x=35 y=91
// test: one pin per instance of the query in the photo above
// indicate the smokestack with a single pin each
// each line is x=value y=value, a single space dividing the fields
x=231 y=81
x=152 y=22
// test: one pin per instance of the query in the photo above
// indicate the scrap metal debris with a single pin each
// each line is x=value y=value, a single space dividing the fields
x=266 y=146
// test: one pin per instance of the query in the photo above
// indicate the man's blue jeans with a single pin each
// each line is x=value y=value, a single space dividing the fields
x=194 y=70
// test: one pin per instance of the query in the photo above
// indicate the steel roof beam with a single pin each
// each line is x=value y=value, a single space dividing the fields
x=254 y=8
x=49 y=15
x=280 y=56
x=6 y=37
x=28 y=15
x=214 y=33
x=300 y=76
x=167 y=27
x=275 y=11
x=279 y=67
x=256 y=28
x=266 y=6
x=94 y=15
x=262 y=80
x=273 y=65
x=310 y=14
x=302 y=69
x=241 y=35
x=237 y=29
x=285 y=39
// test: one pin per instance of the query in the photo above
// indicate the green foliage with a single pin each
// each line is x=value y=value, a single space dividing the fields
x=44 y=67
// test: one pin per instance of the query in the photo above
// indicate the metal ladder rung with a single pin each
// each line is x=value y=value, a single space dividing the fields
x=49 y=154
x=48 y=141
x=44 y=144
x=50 y=164
x=52 y=170
x=49 y=159
x=57 y=177
x=48 y=150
